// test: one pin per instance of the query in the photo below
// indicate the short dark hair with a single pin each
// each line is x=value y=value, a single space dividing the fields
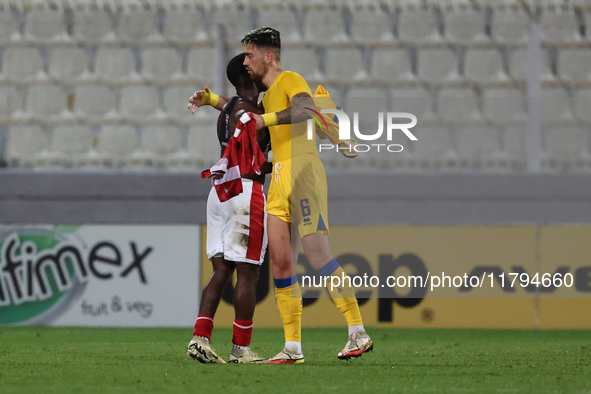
x=263 y=37
x=236 y=70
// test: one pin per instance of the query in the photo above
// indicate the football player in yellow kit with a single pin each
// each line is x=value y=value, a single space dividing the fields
x=297 y=199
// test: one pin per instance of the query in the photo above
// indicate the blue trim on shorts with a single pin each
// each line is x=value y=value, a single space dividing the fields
x=283 y=283
x=321 y=225
x=329 y=268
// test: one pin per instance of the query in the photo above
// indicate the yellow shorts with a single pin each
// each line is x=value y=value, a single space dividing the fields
x=298 y=194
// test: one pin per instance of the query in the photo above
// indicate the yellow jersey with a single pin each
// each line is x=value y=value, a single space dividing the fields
x=287 y=141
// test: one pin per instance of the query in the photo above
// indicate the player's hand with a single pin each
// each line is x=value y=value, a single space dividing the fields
x=196 y=100
x=216 y=175
x=260 y=122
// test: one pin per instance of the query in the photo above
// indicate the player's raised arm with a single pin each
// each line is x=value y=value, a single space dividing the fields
x=206 y=97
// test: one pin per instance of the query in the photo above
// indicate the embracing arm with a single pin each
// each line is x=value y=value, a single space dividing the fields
x=295 y=114
x=206 y=97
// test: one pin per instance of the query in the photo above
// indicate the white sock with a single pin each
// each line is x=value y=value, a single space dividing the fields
x=358 y=329
x=239 y=347
x=294 y=347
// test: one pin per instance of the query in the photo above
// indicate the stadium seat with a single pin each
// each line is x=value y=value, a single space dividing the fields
x=9 y=29
x=95 y=103
x=26 y=146
x=418 y=27
x=343 y=66
x=484 y=67
x=555 y=106
x=434 y=147
x=566 y=146
x=185 y=28
x=202 y=143
x=138 y=27
x=139 y=103
x=504 y=106
x=510 y=26
x=518 y=66
x=392 y=66
x=117 y=145
x=115 y=65
x=11 y=102
x=72 y=145
x=22 y=65
x=465 y=27
x=236 y=23
x=287 y=20
x=437 y=66
x=304 y=61
x=45 y=26
x=559 y=28
x=93 y=26
x=161 y=65
x=417 y=101
x=199 y=65
x=175 y=103
x=479 y=146
x=324 y=27
x=47 y=102
x=69 y=64
x=371 y=27
x=574 y=66
x=458 y=105
x=514 y=144
x=160 y=144
x=368 y=103
x=582 y=105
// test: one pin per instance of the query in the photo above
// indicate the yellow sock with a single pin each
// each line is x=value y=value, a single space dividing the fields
x=289 y=303
x=344 y=297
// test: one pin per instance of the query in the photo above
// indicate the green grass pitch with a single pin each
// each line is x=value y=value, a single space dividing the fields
x=105 y=360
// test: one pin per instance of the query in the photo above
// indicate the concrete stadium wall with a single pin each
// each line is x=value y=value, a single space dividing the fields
x=356 y=199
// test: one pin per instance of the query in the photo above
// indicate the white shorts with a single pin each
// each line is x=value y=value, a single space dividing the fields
x=237 y=228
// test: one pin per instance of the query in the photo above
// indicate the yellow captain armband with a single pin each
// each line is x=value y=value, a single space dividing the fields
x=270 y=119
x=210 y=98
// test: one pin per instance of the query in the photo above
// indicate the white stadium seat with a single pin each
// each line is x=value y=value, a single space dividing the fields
x=22 y=65
x=26 y=145
x=69 y=64
x=9 y=29
x=371 y=27
x=559 y=28
x=434 y=146
x=175 y=103
x=160 y=144
x=236 y=23
x=555 y=106
x=574 y=65
x=344 y=65
x=324 y=27
x=304 y=61
x=46 y=102
x=284 y=19
x=199 y=64
x=518 y=66
x=72 y=145
x=138 y=26
x=510 y=26
x=44 y=26
x=185 y=28
x=368 y=103
x=465 y=27
x=504 y=106
x=418 y=27
x=117 y=145
x=437 y=66
x=417 y=101
x=115 y=65
x=582 y=105
x=514 y=144
x=93 y=26
x=11 y=102
x=566 y=145
x=458 y=105
x=95 y=102
x=139 y=103
x=202 y=143
x=161 y=65
x=484 y=66
x=478 y=145
x=392 y=66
